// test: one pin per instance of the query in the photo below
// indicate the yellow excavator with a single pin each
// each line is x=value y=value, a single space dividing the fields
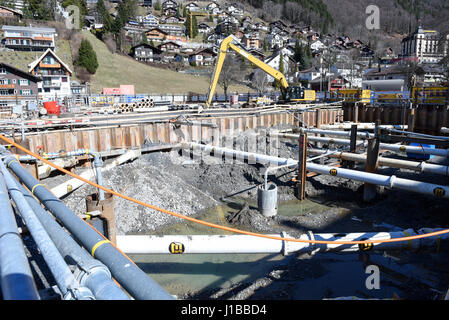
x=289 y=93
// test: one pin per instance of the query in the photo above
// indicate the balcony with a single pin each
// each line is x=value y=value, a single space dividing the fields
x=7 y=86
x=50 y=65
x=49 y=84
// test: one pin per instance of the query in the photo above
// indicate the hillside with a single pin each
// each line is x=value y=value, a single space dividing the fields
x=115 y=69
x=348 y=17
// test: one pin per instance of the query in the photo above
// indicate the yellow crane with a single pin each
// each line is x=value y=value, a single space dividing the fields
x=289 y=93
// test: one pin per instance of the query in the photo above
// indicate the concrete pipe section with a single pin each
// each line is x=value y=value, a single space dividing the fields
x=267 y=199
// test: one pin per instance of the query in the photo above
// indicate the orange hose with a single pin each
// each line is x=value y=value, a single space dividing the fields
x=212 y=225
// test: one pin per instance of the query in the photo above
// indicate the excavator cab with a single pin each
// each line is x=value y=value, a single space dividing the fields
x=294 y=93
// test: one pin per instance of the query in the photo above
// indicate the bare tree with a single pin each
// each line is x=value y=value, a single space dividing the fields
x=260 y=81
x=271 y=11
x=110 y=43
x=230 y=72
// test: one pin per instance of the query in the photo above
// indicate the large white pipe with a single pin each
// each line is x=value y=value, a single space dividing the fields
x=75 y=183
x=385 y=146
x=361 y=134
x=372 y=178
x=222 y=244
x=367 y=126
x=388 y=162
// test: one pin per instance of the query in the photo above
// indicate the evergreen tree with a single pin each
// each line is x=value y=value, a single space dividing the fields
x=37 y=9
x=87 y=57
x=104 y=16
x=144 y=38
x=281 y=69
x=117 y=25
x=157 y=5
x=194 y=26
x=281 y=63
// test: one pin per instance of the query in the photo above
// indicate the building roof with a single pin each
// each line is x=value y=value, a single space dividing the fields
x=147 y=46
x=198 y=51
x=172 y=42
x=16 y=11
x=36 y=62
x=20 y=72
x=27 y=29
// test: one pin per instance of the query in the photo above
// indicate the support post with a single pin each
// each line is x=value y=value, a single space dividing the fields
x=356 y=113
x=300 y=188
x=369 y=191
x=411 y=120
x=352 y=146
x=105 y=222
x=318 y=118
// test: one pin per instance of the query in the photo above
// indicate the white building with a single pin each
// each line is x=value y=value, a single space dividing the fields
x=425 y=45
x=274 y=60
x=55 y=75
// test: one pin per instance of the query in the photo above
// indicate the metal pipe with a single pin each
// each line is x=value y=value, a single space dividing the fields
x=409 y=133
x=90 y=272
x=372 y=178
x=98 y=163
x=133 y=279
x=74 y=183
x=64 y=278
x=388 y=162
x=368 y=126
x=361 y=134
x=226 y=244
x=270 y=169
x=385 y=146
x=16 y=279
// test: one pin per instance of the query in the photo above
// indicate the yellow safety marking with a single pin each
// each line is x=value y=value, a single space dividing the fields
x=176 y=248
x=69 y=188
x=95 y=247
x=37 y=185
x=333 y=172
x=88 y=216
x=14 y=160
x=410 y=241
x=365 y=246
x=439 y=192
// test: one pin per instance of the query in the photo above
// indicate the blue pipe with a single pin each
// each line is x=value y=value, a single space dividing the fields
x=64 y=278
x=16 y=279
x=133 y=279
x=90 y=272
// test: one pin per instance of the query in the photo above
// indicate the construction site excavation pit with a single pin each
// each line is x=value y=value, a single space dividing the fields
x=223 y=191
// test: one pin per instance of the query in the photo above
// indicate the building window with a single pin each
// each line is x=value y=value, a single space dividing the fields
x=23 y=82
x=2 y=71
x=27 y=92
x=64 y=79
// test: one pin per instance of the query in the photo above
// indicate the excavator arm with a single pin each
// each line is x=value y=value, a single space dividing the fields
x=227 y=44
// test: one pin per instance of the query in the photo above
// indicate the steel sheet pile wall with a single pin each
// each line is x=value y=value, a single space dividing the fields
x=428 y=119
x=128 y=136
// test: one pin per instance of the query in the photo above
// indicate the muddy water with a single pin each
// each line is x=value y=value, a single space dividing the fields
x=326 y=275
